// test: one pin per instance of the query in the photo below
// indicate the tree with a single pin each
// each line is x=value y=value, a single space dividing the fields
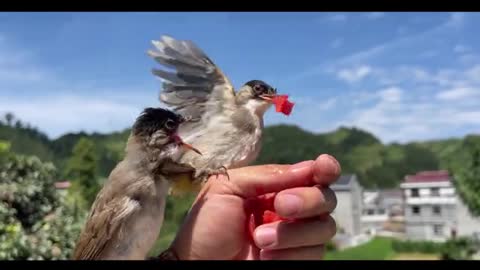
x=467 y=181
x=81 y=168
x=9 y=118
x=18 y=124
x=35 y=223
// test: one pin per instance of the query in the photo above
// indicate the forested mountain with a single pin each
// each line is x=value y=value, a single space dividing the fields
x=360 y=152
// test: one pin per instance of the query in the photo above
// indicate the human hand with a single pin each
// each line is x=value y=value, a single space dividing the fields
x=215 y=228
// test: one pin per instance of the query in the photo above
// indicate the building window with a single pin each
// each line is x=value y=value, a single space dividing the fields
x=435 y=192
x=370 y=212
x=437 y=210
x=437 y=229
x=381 y=211
x=415 y=192
x=416 y=210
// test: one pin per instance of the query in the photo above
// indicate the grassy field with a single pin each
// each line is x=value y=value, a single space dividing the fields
x=377 y=249
x=415 y=256
x=380 y=248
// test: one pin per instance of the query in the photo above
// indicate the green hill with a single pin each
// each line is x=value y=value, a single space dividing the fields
x=358 y=151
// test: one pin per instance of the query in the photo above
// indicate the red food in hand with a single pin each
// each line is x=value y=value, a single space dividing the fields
x=282 y=104
x=261 y=211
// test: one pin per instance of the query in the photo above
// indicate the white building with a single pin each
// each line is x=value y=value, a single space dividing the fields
x=348 y=212
x=433 y=211
x=382 y=211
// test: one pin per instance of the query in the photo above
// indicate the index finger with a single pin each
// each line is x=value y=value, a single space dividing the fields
x=258 y=180
x=262 y=179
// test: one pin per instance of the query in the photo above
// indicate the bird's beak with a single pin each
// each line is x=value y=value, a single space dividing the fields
x=180 y=142
x=267 y=97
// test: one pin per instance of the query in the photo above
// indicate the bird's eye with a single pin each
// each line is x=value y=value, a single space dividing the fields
x=258 y=88
x=169 y=124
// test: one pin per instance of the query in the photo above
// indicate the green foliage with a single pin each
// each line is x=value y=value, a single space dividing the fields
x=330 y=246
x=27 y=141
x=379 y=248
x=459 y=249
x=81 y=169
x=467 y=177
x=358 y=152
x=35 y=222
x=410 y=246
x=454 y=249
x=4 y=146
x=27 y=185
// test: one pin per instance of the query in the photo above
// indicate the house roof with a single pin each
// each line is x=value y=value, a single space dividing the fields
x=62 y=185
x=428 y=177
x=343 y=181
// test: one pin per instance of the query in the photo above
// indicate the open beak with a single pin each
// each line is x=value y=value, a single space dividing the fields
x=267 y=97
x=180 y=142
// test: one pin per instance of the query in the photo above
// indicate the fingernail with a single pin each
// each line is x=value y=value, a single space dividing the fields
x=265 y=237
x=335 y=163
x=301 y=166
x=289 y=204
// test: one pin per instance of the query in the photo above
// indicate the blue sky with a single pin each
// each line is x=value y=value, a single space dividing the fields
x=401 y=76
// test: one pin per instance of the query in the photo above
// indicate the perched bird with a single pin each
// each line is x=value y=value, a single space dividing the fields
x=226 y=126
x=128 y=212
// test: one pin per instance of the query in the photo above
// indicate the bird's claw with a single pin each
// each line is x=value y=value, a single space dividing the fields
x=220 y=171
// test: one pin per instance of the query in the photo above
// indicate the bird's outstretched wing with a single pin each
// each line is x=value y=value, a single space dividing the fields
x=105 y=223
x=197 y=88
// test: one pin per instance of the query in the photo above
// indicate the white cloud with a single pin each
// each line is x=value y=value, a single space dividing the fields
x=403 y=42
x=354 y=74
x=336 y=43
x=375 y=15
x=391 y=94
x=61 y=113
x=458 y=93
x=393 y=119
x=35 y=94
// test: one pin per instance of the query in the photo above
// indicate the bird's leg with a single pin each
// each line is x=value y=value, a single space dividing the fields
x=220 y=171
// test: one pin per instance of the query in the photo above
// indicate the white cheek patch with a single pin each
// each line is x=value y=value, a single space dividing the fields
x=257 y=107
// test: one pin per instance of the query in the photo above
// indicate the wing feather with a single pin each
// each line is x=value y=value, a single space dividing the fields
x=196 y=88
x=106 y=221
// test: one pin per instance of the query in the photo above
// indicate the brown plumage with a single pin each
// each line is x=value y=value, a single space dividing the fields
x=128 y=212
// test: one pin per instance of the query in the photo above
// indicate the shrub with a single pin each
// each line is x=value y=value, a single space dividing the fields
x=428 y=247
x=35 y=222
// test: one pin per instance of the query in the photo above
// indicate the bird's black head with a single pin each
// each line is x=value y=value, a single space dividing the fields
x=261 y=89
x=164 y=124
x=152 y=120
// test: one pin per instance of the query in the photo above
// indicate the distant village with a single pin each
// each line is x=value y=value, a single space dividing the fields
x=424 y=207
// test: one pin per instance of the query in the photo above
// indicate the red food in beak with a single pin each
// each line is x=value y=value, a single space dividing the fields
x=282 y=104
x=180 y=142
